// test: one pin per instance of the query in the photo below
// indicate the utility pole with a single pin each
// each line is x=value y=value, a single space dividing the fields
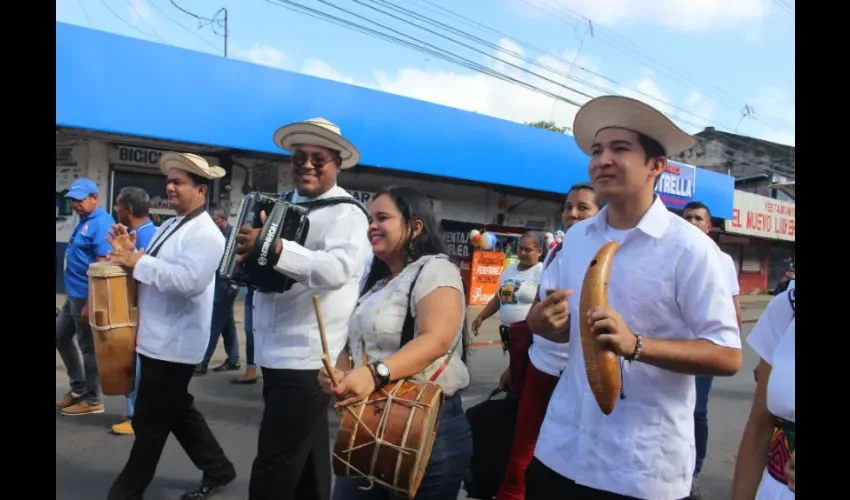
x=226 y=31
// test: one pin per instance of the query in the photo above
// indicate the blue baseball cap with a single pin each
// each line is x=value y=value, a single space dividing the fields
x=81 y=188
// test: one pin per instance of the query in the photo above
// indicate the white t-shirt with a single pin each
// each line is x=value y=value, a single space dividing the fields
x=774 y=339
x=547 y=356
x=378 y=319
x=517 y=290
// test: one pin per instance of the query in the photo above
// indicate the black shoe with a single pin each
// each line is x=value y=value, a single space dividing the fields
x=227 y=366
x=206 y=489
x=200 y=370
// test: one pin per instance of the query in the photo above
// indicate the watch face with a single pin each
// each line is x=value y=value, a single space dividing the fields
x=382 y=370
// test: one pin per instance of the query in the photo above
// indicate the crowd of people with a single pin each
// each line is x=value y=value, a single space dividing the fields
x=395 y=309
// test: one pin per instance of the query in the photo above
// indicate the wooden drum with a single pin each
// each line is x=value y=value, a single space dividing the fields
x=113 y=317
x=387 y=439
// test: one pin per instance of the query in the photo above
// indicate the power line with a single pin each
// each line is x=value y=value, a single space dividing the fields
x=441 y=53
x=212 y=22
x=183 y=27
x=129 y=25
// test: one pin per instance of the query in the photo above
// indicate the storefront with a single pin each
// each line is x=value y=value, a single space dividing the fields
x=760 y=238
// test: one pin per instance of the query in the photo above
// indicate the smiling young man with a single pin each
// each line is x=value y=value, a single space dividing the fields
x=670 y=317
x=293 y=454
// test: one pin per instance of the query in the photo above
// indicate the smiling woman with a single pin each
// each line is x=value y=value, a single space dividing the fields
x=409 y=323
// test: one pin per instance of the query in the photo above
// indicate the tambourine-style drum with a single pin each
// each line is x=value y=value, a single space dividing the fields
x=387 y=439
x=114 y=318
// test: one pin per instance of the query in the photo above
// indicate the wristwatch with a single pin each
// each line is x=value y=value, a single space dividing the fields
x=382 y=374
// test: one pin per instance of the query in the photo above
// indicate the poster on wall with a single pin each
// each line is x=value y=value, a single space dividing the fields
x=676 y=185
x=486 y=270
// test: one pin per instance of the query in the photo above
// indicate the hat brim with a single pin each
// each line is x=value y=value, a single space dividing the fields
x=77 y=194
x=289 y=136
x=630 y=114
x=170 y=160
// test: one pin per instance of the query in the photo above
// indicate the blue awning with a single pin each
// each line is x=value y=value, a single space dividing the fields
x=115 y=84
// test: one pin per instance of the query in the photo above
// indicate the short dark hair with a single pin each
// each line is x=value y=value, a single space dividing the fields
x=219 y=213
x=696 y=205
x=136 y=199
x=652 y=149
x=197 y=180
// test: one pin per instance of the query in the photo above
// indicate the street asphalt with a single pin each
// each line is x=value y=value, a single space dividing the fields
x=89 y=457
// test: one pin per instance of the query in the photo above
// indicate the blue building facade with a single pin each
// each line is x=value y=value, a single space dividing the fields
x=122 y=85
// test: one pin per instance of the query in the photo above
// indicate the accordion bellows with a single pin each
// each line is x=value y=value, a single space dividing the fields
x=283 y=220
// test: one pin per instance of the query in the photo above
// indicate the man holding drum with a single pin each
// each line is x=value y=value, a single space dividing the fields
x=293 y=455
x=670 y=316
x=176 y=276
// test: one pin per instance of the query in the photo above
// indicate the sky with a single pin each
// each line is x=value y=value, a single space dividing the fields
x=728 y=64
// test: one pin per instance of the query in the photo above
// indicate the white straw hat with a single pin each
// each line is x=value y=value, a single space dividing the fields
x=191 y=163
x=630 y=114
x=317 y=132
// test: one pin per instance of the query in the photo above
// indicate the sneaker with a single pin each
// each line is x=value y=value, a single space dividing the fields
x=68 y=400
x=82 y=408
x=125 y=428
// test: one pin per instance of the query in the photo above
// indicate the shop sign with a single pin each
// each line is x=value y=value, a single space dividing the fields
x=364 y=197
x=763 y=217
x=131 y=155
x=676 y=185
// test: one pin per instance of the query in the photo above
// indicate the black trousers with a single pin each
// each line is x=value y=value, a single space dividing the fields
x=541 y=482
x=293 y=451
x=164 y=406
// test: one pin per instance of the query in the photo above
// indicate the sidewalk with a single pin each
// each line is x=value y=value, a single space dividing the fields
x=751 y=308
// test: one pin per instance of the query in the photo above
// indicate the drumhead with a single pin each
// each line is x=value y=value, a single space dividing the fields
x=106 y=269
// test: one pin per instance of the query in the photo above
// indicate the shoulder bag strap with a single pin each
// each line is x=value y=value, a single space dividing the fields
x=156 y=245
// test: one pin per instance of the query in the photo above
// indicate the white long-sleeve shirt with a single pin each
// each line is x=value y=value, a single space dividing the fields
x=176 y=291
x=329 y=264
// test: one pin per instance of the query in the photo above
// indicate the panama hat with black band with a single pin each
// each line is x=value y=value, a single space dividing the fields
x=190 y=163
x=629 y=114
x=317 y=132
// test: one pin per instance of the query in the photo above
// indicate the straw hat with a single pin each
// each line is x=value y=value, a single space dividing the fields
x=317 y=132
x=191 y=163
x=630 y=114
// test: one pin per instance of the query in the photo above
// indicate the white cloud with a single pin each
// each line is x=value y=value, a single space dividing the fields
x=479 y=93
x=682 y=15
x=139 y=10
x=260 y=54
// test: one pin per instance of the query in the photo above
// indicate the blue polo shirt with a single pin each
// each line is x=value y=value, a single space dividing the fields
x=87 y=243
x=144 y=235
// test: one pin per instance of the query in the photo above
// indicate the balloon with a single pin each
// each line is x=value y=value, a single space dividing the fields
x=474 y=237
x=559 y=236
x=488 y=241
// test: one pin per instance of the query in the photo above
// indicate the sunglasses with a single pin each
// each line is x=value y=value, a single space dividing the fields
x=300 y=159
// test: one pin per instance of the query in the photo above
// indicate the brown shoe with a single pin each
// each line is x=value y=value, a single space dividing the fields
x=68 y=400
x=82 y=408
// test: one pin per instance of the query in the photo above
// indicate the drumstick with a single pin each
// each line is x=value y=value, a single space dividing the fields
x=326 y=360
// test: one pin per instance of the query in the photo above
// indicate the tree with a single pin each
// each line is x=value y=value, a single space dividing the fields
x=549 y=125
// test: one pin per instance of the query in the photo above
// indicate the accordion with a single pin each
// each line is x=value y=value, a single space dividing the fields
x=284 y=220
